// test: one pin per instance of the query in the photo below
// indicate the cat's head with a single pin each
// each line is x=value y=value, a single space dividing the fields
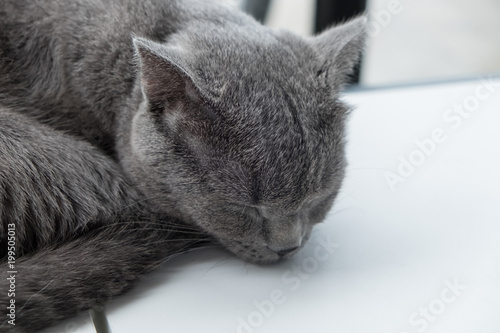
x=241 y=131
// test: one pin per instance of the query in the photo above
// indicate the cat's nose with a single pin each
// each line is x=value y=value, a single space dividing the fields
x=284 y=252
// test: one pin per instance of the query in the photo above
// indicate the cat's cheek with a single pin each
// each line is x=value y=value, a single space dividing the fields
x=306 y=235
x=318 y=214
x=254 y=251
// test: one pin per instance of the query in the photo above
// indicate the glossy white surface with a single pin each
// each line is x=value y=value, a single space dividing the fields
x=422 y=258
x=81 y=324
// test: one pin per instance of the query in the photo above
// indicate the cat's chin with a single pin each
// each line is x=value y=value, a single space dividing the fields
x=259 y=260
x=257 y=252
x=255 y=255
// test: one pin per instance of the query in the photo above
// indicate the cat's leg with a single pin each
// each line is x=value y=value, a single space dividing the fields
x=53 y=186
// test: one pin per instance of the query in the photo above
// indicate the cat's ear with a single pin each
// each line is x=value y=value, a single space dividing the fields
x=339 y=49
x=163 y=77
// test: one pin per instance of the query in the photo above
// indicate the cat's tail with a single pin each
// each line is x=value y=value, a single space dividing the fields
x=53 y=284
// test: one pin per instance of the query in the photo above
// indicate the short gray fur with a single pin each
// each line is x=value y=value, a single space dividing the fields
x=132 y=130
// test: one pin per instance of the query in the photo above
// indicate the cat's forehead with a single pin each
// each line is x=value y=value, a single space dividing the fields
x=269 y=77
x=258 y=59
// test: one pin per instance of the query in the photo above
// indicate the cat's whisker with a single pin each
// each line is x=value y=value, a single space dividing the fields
x=217 y=264
x=165 y=226
x=29 y=299
x=337 y=212
x=176 y=240
x=178 y=253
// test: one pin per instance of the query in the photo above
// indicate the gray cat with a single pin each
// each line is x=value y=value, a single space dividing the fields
x=131 y=130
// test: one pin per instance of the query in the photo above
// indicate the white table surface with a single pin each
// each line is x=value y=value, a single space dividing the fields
x=80 y=324
x=423 y=256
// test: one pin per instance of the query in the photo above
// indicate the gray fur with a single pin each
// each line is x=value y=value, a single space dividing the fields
x=41 y=181
x=126 y=124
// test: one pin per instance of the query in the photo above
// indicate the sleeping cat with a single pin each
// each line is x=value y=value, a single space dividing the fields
x=132 y=130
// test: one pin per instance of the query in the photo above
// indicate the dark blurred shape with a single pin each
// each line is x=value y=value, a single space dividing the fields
x=330 y=12
x=257 y=8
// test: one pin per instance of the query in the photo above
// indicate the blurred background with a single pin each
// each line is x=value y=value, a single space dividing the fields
x=410 y=41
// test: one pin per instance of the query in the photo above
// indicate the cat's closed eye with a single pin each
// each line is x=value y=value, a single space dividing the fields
x=250 y=214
